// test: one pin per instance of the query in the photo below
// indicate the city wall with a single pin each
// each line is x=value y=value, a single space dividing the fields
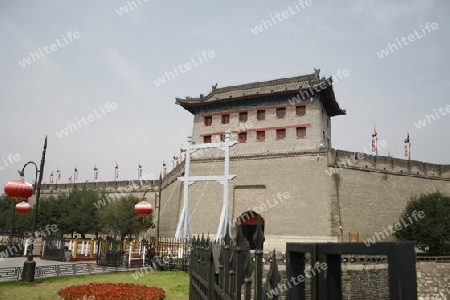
x=365 y=195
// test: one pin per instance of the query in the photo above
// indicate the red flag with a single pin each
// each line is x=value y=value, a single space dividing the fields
x=406 y=150
x=374 y=139
x=164 y=169
x=407 y=138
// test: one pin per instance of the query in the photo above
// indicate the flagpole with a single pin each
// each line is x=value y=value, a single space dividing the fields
x=95 y=173
x=375 y=141
x=409 y=151
x=408 y=146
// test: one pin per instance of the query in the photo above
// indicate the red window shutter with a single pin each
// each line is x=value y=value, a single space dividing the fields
x=207 y=139
x=225 y=119
x=301 y=132
x=281 y=134
x=281 y=112
x=261 y=115
x=260 y=136
x=242 y=137
x=300 y=110
x=243 y=117
x=208 y=120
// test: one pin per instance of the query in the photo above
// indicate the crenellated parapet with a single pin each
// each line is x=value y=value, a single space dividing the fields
x=340 y=159
x=114 y=189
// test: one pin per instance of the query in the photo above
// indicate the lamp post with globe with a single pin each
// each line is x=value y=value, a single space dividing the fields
x=21 y=190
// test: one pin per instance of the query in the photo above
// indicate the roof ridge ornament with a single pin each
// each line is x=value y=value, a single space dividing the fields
x=316 y=73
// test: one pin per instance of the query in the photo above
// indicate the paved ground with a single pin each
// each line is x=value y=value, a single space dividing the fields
x=18 y=262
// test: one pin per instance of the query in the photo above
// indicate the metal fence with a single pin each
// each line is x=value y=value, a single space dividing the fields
x=226 y=269
x=110 y=253
x=15 y=273
x=11 y=245
x=53 y=248
x=174 y=253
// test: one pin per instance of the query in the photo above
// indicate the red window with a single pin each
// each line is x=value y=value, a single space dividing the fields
x=260 y=136
x=281 y=112
x=301 y=132
x=225 y=119
x=208 y=121
x=281 y=134
x=207 y=139
x=243 y=116
x=261 y=115
x=300 y=110
x=242 y=137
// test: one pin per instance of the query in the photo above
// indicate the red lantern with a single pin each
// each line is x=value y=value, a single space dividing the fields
x=19 y=189
x=23 y=207
x=143 y=208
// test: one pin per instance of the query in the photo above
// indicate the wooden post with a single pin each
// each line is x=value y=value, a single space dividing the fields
x=75 y=248
x=132 y=246
x=91 y=248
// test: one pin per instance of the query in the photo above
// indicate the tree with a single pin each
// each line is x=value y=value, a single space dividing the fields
x=433 y=229
x=22 y=222
x=72 y=213
x=119 y=219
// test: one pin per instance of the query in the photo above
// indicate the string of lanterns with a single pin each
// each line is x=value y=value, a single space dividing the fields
x=20 y=190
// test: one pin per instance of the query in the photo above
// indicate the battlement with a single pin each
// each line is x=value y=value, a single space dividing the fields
x=341 y=159
x=107 y=186
x=122 y=186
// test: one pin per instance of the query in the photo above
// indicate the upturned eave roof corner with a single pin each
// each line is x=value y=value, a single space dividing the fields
x=263 y=88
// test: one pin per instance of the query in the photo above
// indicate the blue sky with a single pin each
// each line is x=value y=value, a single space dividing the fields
x=116 y=59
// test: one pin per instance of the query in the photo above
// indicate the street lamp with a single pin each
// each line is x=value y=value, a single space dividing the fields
x=17 y=190
x=20 y=190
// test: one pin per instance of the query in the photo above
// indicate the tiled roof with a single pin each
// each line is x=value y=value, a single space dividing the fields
x=257 y=89
x=264 y=88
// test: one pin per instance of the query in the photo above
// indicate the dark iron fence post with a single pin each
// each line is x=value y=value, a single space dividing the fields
x=258 y=238
x=248 y=270
x=273 y=278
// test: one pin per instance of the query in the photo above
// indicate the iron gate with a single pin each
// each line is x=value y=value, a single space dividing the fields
x=53 y=248
x=12 y=245
x=110 y=253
